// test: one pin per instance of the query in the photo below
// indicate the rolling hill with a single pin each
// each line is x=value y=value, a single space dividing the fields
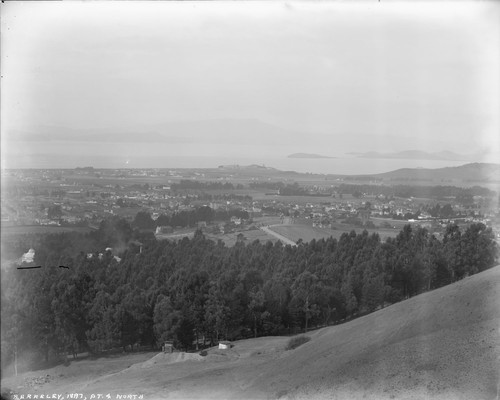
x=474 y=172
x=442 y=344
x=468 y=174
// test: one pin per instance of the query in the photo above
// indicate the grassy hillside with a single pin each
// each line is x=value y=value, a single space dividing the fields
x=307 y=232
x=439 y=345
x=442 y=344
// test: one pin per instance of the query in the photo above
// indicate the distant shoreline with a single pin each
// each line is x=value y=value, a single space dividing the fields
x=348 y=165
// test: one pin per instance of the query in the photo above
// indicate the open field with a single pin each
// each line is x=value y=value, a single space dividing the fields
x=27 y=229
x=439 y=345
x=307 y=233
x=249 y=236
x=304 y=232
x=177 y=235
x=267 y=220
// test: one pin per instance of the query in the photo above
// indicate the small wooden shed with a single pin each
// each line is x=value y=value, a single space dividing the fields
x=168 y=347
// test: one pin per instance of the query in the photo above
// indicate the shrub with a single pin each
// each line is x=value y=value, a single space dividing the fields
x=297 y=341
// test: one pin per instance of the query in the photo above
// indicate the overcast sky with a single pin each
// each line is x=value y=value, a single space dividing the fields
x=247 y=78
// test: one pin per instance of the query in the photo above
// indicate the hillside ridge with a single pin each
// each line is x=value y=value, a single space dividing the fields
x=468 y=172
x=439 y=344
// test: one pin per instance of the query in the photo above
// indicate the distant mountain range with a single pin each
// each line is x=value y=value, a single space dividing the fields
x=468 y=174
x=420 y=155
x=307 y=155
x=474 y=172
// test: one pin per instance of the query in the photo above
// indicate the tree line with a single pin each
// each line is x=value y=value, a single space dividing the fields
x=187 y=218
x=197 y=291
x=185 y=184
x=463 y=195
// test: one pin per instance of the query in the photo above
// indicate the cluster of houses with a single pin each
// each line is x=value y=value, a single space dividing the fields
x=86 y=202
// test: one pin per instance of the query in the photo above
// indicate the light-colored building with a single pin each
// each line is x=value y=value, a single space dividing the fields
x=225 y=345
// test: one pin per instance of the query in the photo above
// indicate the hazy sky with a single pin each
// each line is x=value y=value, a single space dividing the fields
x=249 y=79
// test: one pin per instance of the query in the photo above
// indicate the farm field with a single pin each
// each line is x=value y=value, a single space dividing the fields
x=438 y=345
x=10 y=235
x=268 y=220
x=178 y=235
x=229 y=239
x=398 y=224
x=304 y=232
x=307 y=233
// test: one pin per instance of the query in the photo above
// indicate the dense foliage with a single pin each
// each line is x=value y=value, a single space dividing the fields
x=462 y=195
x=196 y=291
x=292 y=190
x=198 y=185
x=266 y=185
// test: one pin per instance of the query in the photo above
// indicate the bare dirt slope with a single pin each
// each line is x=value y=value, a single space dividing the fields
x=440 y=345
